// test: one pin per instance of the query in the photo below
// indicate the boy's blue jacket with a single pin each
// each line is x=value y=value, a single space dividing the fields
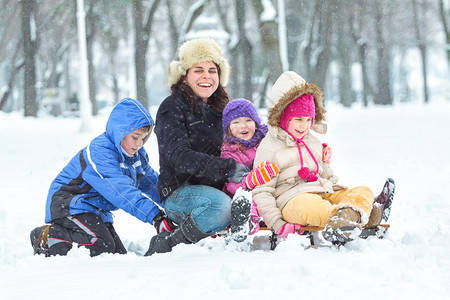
x=101 y=178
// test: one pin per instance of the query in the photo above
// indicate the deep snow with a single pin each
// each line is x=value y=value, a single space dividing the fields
x=408 y=142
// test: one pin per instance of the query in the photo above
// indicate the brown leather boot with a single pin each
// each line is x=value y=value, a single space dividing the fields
x=345 y=217
x=375 y=216
x=343 y=227
x=39 y=238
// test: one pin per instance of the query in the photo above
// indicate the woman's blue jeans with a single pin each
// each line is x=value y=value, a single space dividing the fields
x=210 y=207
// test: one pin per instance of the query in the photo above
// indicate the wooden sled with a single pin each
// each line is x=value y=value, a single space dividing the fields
x=309 y=231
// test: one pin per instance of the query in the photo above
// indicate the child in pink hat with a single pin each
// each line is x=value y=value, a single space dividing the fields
x=306 y=191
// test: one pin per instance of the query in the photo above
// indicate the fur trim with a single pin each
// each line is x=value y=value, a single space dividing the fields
x=289 y=87
x=292 y=94
x=360 y=199
x=196 y=51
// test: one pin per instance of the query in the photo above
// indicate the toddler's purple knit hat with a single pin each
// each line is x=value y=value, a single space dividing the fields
x=239 y=108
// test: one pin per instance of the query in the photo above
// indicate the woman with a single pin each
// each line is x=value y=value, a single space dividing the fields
x=189 y=132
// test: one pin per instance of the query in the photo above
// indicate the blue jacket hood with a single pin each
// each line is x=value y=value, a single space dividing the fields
x=127 y=116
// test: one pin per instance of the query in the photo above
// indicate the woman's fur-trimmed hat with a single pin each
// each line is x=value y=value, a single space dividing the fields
x=196 y=51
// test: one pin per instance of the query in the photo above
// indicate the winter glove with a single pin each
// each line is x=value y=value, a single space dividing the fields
x=289 y=228
x=255 y=219
x=326 y=153
x=162 y=223
x=239 y=173
x=262 y=174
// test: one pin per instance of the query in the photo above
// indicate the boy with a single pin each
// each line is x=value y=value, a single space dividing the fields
x=112 y=172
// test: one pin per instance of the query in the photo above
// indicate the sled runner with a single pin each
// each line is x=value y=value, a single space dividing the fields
x=316 y=239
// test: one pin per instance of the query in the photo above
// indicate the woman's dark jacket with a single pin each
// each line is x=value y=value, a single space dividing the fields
x=189 y=146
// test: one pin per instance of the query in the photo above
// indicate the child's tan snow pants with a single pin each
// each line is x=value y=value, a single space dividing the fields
x=317 y=209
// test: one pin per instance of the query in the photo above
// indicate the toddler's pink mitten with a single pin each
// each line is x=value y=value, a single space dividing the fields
x=254 y=219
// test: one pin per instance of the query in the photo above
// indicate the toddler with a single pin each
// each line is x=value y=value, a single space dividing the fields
x=243 y=131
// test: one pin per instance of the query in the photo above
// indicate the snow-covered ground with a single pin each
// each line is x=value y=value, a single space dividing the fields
x=409 y=143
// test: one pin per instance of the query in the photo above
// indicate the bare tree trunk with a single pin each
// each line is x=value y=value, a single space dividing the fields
x=444 y=16
x=141 y=41
x=85 y=104
x=174 y=36
x=265 y=86
x=90 y=37
x=282 y=35
x=71 y=99
x=317 y=51
x=29 y=51
x=268 y=30
x=241 y=57
x=382 y=27
x=356 y=27
x=142 y=33
x=344 y=50
x=222 y=8
x=301 y=59
x=422 y=45
x=247 y=67
x=193 y=13
x=114 y=78
x=325 y=32
x=307 y=50
x=12 y=75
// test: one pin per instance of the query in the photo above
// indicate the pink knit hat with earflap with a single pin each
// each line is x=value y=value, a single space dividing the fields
x=302 y=106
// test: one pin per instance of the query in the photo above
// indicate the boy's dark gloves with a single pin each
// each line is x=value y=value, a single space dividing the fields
x=239 y=173
x=163 y=223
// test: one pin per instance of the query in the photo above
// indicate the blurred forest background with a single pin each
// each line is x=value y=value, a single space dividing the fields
x=367 y=51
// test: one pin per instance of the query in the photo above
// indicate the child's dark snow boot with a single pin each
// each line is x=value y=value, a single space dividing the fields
x=343 y=227
x=385 y=198
x=39 y=238
x=187 y=233
x=240 y=215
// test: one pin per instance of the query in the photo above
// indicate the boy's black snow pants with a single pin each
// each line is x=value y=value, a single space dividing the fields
x=86 y=230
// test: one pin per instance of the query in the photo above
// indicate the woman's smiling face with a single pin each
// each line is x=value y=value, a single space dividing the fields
x=203 y=78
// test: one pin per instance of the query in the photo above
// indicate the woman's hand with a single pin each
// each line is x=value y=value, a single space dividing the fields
x=239 y=173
